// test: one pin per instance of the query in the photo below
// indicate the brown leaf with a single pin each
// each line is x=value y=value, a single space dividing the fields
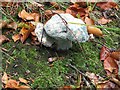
x=89 y=21
x=23 y=87
x=104 y=53
x=107 y=5
x=65 y=88
x=36 y=16
x=111 y=66
x=23 y=80
x=12 y=25
x=106 y=85
x=94 y=78
x=4 y=78
x=3 y=24
x=116 y=55
x=25 y=15
x=75 y=10
x=12 y=84
x=24 y=34
x=94 y=30
x=16 y=37
x=3 y=39
x=104 y=21
x=50 y=13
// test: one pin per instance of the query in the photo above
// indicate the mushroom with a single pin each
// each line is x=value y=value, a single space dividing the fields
x=61 y=30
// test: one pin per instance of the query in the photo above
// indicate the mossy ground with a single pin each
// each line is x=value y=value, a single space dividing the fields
x=31 y=62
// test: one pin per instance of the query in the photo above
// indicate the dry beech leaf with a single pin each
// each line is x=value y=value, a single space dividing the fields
x=50 y=13
x=94 y=30
x=24 y=34
x=16 y=37
x=12 y=25
x=94 y=78
x=12 y=84
x=24 y=15
x=4 y=78
x=104 y=21
x=89 y=21
x=104 y=53
x=106 y=85
x=116 y=55
x=23 y=80
x=111 y=66
x=66 y=88
x=36 y=16
x=75 y=10
x=3 y=39
x=23 y=87
x=107 y=5
x=3 y=24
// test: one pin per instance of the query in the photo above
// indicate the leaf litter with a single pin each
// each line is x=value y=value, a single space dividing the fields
x=109 y=58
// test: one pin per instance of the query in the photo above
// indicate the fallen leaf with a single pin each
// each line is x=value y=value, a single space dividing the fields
x=104 y=53
x=75 y=10
x=4 y=78
x=16 y=37
x=25 y=15
x=106 y=85
x=116 y=55
x=3 y=24
x=94 y=30
x=66 y=88
x=24 y=34
x=94 y=78
x=89 y=21
x=111 y=66
x=107 y=5
x=50 y=13
x=104 y=21
x=12 y=25
x=36 y=16
x=23 y=87
x=3 y=39
x=23 y=80
x=12 y=84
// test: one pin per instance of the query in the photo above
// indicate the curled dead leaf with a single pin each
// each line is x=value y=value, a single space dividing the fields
x=76 y=11
x=12 y=25
x=106 y=85
x=23 y=87
x=13 y=84
x=36 y=16
x=104 y=53
x=94 y=30
x=25 y=15
x=116 y=55
x=24 y=34
x=23 y=80
x=107 y=5
x=3 y=24
x=3 y=39
x=16 y=37
x=89 y=21
x=50 y=13
x=4 y=78
x=104 y=21
x=111 y=66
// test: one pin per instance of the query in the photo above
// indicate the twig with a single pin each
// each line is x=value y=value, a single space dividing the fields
x=77 y=70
